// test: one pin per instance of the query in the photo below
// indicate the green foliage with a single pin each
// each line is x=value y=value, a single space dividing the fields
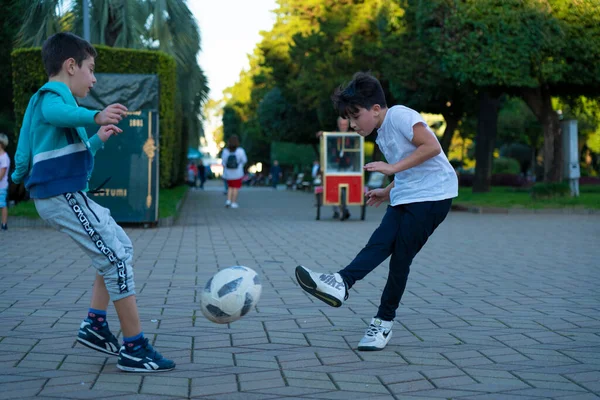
x=169 y=199
x=520 y=152
x=550 y=190
x=517 y=124
x=292 y=154
x=505 y=165
x=435 y=56
x=281 y=121
x=491 y=42
x=10 y=20
x=165 y=25
x=29 y=76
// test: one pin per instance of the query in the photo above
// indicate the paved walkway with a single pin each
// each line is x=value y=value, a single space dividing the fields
x=497 y=307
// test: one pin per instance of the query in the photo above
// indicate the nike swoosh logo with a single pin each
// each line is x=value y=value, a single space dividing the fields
x=386 y=334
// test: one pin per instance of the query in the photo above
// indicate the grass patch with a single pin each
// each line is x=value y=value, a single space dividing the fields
x=23 y=209
x=505 y=197
x=168 y=199
x=167 y=204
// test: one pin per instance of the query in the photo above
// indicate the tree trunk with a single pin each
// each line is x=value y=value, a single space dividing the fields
x=487 y=126
x=539 y=101
x=451 y=124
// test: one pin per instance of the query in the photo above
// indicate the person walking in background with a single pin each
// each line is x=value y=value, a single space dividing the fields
x=201 y=174
x=275 y=174
x=192 y=172
x=234 y=158
x=4 y=169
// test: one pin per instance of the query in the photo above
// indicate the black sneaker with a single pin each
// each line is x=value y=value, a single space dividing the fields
x=4 y=227
x=143 y=358
x=100 y=339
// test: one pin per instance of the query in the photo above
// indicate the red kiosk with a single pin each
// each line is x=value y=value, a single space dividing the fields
x=342 y=160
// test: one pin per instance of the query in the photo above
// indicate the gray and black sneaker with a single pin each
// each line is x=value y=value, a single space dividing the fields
x=377 y=336
x=98 y=338
x=329 y=288
x=143 y=358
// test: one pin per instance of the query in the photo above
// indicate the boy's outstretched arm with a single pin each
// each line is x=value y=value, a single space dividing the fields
x=427 y=146
x=63 y=115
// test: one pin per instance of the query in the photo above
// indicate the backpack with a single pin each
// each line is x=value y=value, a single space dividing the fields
x=232 y=162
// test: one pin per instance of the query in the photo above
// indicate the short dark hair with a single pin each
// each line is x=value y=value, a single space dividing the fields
x=233 y=143
x=363 y=91
x=64 y=45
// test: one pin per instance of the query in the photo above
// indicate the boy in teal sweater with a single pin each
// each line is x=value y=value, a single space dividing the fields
x=55 y=159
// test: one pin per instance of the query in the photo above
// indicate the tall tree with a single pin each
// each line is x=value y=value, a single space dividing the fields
x=418 y=78
x=535 y=49
x=10 y=20
x=166 y=25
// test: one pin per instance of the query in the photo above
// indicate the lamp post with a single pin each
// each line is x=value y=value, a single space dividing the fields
x=86 y=20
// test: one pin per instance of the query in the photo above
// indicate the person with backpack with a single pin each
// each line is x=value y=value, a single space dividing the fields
x=234 y=158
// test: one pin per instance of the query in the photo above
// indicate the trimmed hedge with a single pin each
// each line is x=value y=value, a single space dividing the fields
x=29 y=76
x=505 y=165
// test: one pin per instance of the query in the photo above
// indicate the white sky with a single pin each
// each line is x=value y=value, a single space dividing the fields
x=230 y=31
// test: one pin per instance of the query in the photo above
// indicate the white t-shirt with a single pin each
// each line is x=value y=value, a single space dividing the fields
x=234 y=173
x=4 y=163
x=432 y=180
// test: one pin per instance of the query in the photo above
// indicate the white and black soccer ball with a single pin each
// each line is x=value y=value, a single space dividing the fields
x=230 y=294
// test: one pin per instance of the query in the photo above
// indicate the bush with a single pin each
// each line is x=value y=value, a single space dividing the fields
x=541 y=191
x=505 y=165
x=29 y=76
x=513 y=180
x=456 y=164
x=589 y=180
x=466 y=180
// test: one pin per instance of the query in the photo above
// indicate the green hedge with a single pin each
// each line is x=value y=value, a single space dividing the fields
x=29 y=76
x=505 y=165
x=292 y=154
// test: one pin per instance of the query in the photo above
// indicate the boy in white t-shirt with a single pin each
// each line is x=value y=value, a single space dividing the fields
x=420 y=198
x=4 y=169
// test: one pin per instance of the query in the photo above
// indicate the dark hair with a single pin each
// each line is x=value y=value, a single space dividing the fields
x=233 y=143
x=363 y=91
x=64 y=45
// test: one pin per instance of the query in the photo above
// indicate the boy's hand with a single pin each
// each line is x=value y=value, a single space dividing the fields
x=380 y=166
x=106 y=131
x=377 y=196
x=112 y=114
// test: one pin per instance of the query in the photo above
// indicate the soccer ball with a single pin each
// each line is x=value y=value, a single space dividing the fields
x=230 y=294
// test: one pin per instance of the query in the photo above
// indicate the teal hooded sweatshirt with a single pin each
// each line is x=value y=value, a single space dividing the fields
x=54 y=155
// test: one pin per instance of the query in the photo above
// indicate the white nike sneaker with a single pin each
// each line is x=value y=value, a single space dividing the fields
x=234 y=205
x=227 y=203
x=329 y=288
x=377 y=336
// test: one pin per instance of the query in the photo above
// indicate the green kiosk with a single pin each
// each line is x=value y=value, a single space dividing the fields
x=126 y=170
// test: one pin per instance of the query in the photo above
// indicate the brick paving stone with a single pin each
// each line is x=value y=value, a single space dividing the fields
x=495 y=308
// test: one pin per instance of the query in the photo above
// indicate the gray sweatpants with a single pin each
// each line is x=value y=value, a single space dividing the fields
x=98 y=235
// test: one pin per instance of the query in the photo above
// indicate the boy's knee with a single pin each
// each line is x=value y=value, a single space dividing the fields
x=118 y=278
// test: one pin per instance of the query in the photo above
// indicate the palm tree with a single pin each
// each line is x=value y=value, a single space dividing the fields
x=166 y=25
